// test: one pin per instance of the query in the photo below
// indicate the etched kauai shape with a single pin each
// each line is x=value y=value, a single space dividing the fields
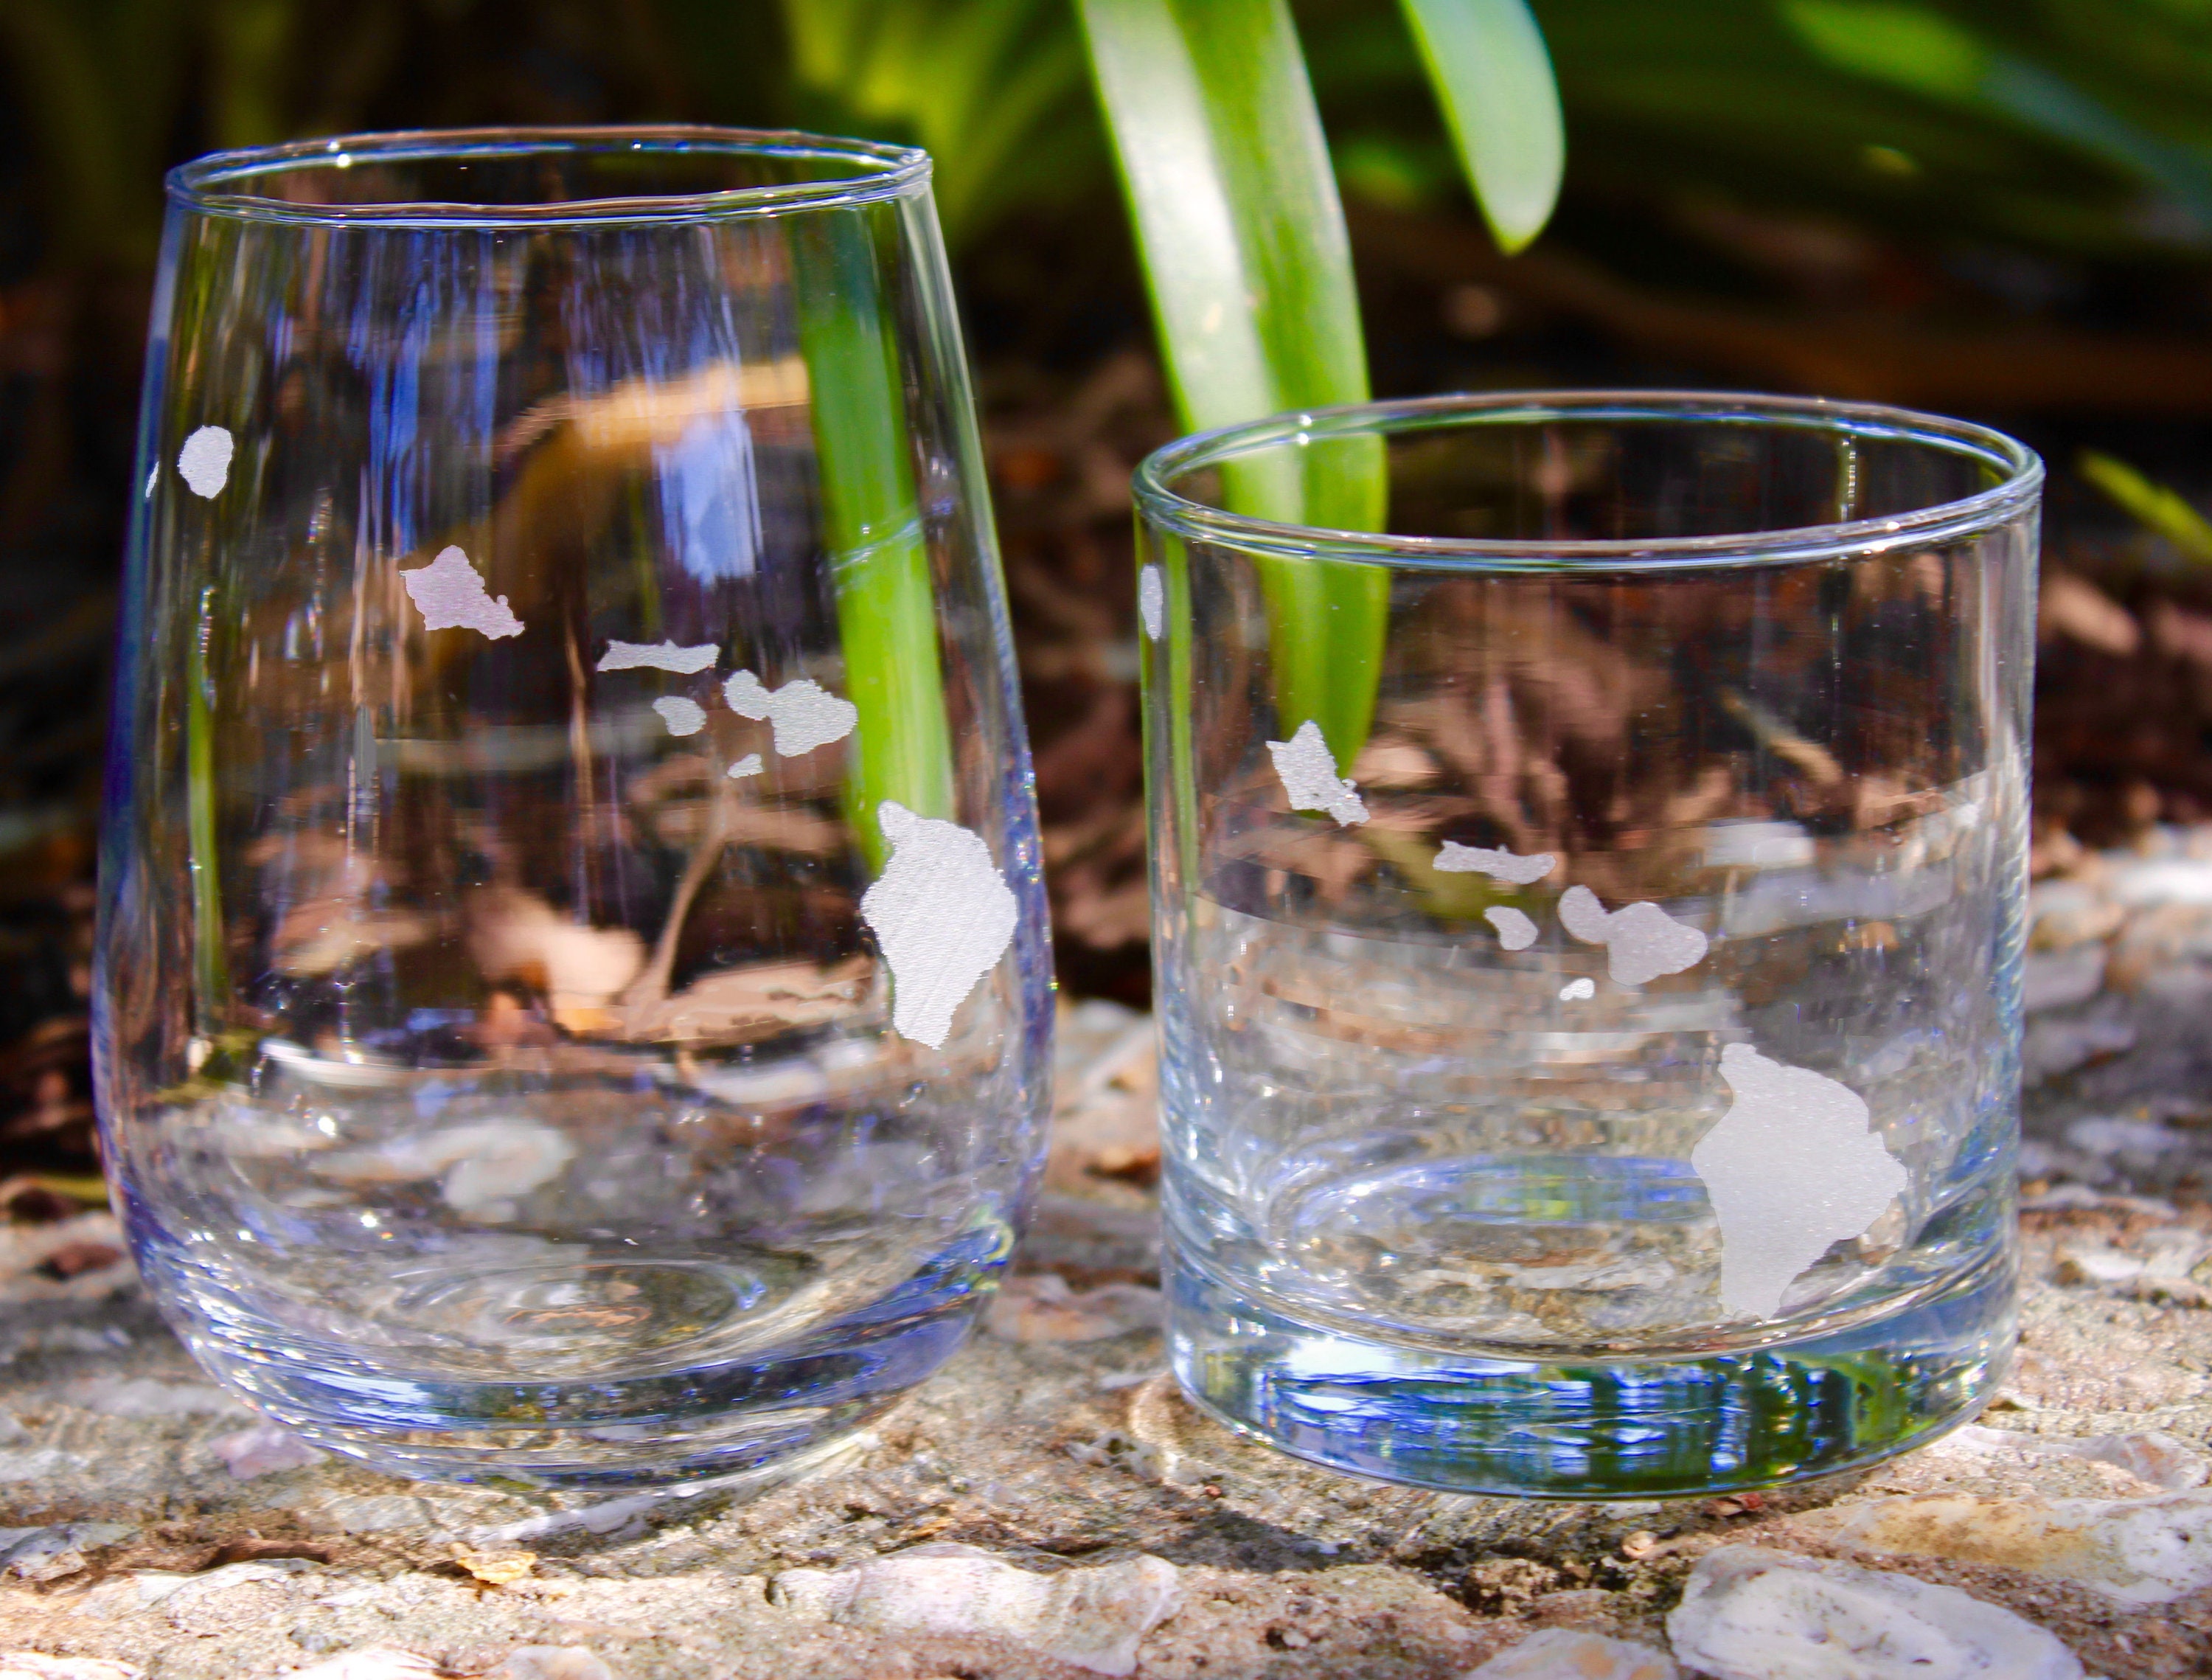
x=1793 y=1166
x=1151 y=602
x=1500 y=866
x=683 y=717
x=205 y=460
x=451 y=595
x=1642 y=941
x=1309 y=778
x=1515 y=932
x=943 y=915
x=656 y=656
x=804 y=714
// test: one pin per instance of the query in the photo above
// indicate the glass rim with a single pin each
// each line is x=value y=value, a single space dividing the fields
x=878 y=171
x=1162 y=504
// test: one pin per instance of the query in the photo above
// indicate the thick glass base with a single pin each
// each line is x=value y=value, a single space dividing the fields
x=1612 y=1426
x=740 y=1418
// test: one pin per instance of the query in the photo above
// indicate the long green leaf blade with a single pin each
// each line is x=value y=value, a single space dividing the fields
x=1242 y=236
x=1493 y=77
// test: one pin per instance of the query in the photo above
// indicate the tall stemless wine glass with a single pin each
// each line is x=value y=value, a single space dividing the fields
x=1588 y=929
x=573 y=995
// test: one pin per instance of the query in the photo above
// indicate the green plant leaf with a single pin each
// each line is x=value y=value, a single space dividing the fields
x=2162 y=509
x=1243 y=241
x=1486 y=61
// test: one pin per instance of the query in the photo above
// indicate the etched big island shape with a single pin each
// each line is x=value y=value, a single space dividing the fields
x=943 y=915
x=1792 y=1167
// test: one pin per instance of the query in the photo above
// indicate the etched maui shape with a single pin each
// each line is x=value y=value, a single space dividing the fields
x=1309 y=777
x=748 y=765
x=683 y=717
x=1792 y=1167
x=942 y=915
x=205 y=461
x=1151 y=602
x=1500 y=866
x=804 y=714
x=656 y=656
x=1576 y=991
x=1642 y=943
x=1515 y=932
x=450 y=595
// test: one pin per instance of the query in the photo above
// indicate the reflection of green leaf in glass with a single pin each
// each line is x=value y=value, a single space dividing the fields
x=2162 y=509
x=879 y=557
x=1487 y=62
x=1907 y=46
x=210 y=971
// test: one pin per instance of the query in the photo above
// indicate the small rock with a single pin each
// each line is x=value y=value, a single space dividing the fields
x=2065 y=914
x=1041 y=1307
x=1092 y=1618
x=1752 y=1614
x=550 y=1661
x=2056 y=981
x=147 y=1397
x=2058 y=1047
x=2095 y=1263
x=2149 y=1455
x=1560 y=1653
x=2137 y=1551
x=264 y=1450
x=30 y=1665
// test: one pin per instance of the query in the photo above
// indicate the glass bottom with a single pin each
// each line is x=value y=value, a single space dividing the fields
x=660 y=1421
x=1612 y=1426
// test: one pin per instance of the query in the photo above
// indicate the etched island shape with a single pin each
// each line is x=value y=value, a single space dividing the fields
x=205 y=460
x=1500 y=866
x=450 y=595
x=942 y=915
x=1794 y=1166
x=656 y=656
x=683 y=717
x=1515 y=932
x=1578 y=991
x=1309 y=778
x=748 y=765
x=802 y=714
x=1642 y=943
x=1151 y=602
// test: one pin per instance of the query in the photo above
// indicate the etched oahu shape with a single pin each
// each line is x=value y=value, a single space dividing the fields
x=1515 y=932
x=1642 y=943
x=1793 y=1166
x=1500 y=866
x=656 y=656
x=748 y=765
x=1151 y=602
x=683 y=717
x=942 y=915
x=804 y=714
x=450 y=595
x=1309 y=777
x=205 y=460
x=1576 y=991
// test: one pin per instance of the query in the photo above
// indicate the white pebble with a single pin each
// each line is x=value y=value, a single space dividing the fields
x=1565 y=1653
x=264 y=1450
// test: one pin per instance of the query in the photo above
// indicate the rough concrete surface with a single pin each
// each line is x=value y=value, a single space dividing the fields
x=1050 y=1508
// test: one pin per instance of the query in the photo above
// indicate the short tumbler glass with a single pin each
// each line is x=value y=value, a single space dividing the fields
x=573 y=997
x=1588 y=930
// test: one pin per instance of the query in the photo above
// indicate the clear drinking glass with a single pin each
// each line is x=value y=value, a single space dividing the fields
x=573 y=995
x=1589 y=929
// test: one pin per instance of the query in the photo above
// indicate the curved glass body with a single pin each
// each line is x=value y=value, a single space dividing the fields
x=1589 y=932
x=573 y=997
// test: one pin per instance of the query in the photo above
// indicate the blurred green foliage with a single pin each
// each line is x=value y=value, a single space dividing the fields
x=2081 y=127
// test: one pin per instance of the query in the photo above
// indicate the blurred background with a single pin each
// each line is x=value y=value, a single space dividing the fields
x=2000 y=210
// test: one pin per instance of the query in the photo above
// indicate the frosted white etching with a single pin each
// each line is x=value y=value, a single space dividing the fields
x=1515 y=932
x=1151 y=602
x=1500 y=866
x=943 y=915
x=656 y=656
x=153 y=477
x=748 y=765
x=804 y=715
x=205 y=461
x=1309 y=777
x=1642 y=943
x=1576 y=990
x=1792 y=1167
x=683 y=717
x=451 y=595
